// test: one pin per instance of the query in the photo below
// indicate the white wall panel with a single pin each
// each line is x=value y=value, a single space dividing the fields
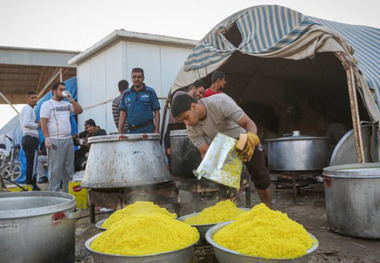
x=98 y=76
x=172 y=59
x=148 y=57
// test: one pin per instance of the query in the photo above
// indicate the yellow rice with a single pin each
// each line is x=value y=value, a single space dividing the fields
x=265 y=233
x=145 y=234
x=221 y=212
x=139 y=207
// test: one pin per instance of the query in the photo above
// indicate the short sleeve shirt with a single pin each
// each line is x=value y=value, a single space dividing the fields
x=223 y=115
x=116 y=111
x=139 y=105
x=58 y=115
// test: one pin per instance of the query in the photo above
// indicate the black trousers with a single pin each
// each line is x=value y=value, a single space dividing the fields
x=30 y=146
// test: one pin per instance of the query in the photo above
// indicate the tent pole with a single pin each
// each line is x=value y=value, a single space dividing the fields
x=355 y=115
x=48 y=83
x=10 y=104
x=168 y=100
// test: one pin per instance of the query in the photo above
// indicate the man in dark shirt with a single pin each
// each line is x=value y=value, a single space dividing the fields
x=123 y=86
x=81 y=139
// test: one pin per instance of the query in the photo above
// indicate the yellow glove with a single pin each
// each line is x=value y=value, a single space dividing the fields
x=246 y=145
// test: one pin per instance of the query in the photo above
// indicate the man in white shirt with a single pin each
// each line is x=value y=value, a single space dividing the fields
x=30 y=140
x=56 y=127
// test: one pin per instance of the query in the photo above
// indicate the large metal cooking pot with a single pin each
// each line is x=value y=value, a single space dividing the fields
x=185 y=157
x=132 y=160
x=37 y=227
x=297 y=153
x=353 y=199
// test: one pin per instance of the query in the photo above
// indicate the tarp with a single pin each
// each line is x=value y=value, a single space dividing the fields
x=272 y=31
x=13 y=128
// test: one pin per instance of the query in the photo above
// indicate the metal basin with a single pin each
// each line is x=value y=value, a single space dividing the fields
x=297 y=153
x=37 y=227
x=352 y=199
x=177 y=256
x=99 y=224
x=225 y=255
x=135 y=160
x=202 y=229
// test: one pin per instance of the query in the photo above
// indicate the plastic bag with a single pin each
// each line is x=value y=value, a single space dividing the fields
x=221 y=163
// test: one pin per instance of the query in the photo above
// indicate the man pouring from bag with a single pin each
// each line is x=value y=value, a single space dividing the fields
x=220 y=113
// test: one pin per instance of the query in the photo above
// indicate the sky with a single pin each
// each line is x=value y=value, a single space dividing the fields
x=78 y=24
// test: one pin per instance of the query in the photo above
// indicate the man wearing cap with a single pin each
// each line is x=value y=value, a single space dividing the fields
x=91 y=130
x=139 y=106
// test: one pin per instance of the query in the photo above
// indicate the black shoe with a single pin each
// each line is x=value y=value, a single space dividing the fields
x=35 y=188
x=43 y=180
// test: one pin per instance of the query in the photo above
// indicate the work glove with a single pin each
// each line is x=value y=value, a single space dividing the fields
x=67 y=95
x=48 y=143
x=246 y=145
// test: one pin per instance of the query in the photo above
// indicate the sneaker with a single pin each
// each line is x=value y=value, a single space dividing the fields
x=35 y=188
x=43 y=180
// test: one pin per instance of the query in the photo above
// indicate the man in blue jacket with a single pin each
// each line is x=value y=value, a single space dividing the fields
x=139 y=107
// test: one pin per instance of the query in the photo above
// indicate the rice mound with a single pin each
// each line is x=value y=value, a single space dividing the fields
x=139 y=207
x=262 y=232
x=145 y=234
x=223 y=211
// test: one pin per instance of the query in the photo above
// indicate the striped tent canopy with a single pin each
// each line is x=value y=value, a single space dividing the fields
x=273 y=31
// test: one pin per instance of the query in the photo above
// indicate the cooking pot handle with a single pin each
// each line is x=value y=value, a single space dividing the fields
x=73 y=215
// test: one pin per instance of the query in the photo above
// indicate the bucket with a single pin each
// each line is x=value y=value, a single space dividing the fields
x=352 y=199
x=185 y=156
x=37 y=227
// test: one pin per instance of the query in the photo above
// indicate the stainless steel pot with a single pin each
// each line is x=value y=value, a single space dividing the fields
x=353 y=199
x=225 y=255
x=135 y=160
x=37 y=227
x=185 y=157
x=297 y=153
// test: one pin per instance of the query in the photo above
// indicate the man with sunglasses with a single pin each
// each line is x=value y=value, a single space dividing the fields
x=139 y=107
x=56 y=127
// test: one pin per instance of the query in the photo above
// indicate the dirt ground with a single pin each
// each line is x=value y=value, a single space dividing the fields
x=309 y=210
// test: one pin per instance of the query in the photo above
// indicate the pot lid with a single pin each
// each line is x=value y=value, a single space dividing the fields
x=125 y=137
x=28 y=204
x=345 y=152
x=357 y=170
x=296 y=135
